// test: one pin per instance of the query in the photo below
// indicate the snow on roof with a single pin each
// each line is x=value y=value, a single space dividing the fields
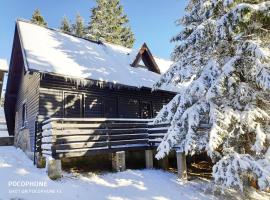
x=163 y=65
x=51 y=51
x=3 y=65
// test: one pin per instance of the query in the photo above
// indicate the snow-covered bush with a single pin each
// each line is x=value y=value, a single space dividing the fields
x=222 y=62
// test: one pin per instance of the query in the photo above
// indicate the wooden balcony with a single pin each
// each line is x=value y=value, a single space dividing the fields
x=74 y=137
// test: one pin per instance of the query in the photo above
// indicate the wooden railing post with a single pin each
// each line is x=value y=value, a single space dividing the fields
x=148 y=138
x=53 y=150
x=37 y=140
x=108 y=135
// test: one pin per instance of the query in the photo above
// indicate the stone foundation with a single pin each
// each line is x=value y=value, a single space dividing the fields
x=22 y=141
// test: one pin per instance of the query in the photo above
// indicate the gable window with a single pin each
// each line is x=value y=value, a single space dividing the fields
x=24 y=115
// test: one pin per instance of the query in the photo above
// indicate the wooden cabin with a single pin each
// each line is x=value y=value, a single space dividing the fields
x=68 y=96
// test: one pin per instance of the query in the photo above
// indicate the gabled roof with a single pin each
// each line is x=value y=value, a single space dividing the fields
x=3 y=65
x=51 y=51
x=145 y=55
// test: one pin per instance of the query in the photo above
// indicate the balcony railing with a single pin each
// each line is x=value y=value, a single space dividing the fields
x=73 y=137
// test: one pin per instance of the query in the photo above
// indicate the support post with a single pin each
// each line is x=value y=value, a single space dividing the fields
x=40 y=161
x=119 y=161
x=181 y=165
x=54 y=169
x=149 y=159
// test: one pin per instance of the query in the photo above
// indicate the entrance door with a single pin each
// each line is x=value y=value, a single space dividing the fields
x=146 y=111
x=110 y=107
x=73 y=105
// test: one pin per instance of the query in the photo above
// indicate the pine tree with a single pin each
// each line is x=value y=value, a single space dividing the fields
x=78 y=27
x=110 y=24
x=65 y=25
x=222 y=69
x=38 y=19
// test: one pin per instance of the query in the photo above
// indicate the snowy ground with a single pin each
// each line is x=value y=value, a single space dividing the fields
x=16 y=171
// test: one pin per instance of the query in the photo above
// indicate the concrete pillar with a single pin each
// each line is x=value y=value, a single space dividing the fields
x=54 y=169
x=149 y=159
x=181 y=165
x=119 y=161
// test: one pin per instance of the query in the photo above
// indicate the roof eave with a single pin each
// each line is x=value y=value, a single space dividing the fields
x=26 y=65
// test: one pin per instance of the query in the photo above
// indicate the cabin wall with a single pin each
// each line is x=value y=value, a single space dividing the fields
x=28 y=94
x=63 y=98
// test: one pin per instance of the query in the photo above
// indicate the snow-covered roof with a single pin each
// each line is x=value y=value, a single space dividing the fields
x=163 y=64
x=3 y=65
x=51 y=51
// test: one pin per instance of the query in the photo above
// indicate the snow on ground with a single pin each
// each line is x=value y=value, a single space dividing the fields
x=16 y=171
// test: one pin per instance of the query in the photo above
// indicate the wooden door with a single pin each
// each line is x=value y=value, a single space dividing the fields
x=110 y=107
x=146 y=110
x=73 y=105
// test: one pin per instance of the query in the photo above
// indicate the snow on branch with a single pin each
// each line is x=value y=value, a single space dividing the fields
x=222 y=62
x=233 y=168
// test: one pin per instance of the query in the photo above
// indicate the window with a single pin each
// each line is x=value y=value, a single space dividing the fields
x=129 y=108
x=73 y=104
x=24 y=116
x=93 y=106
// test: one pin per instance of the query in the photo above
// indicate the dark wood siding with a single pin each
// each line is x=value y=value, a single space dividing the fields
x=28 y=94
x=97 y=101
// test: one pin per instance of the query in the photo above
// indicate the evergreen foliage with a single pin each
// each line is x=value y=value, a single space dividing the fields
x=65 y=25
x=222 y=64
x=110 y=24
x=78 y=27
x=38 y=19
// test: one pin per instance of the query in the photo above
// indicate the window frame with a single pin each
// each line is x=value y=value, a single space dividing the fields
x=24 y=114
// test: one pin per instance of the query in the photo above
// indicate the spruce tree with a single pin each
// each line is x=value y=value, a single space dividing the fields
x=78 y=27
x=110 y=24
x=222 y=70
x=65 y=25
x=38 y=19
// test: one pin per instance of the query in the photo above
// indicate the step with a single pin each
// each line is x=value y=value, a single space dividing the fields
x=4 y=134
x=6 y=141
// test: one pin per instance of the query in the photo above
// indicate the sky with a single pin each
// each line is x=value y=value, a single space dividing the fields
x=152 y=21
